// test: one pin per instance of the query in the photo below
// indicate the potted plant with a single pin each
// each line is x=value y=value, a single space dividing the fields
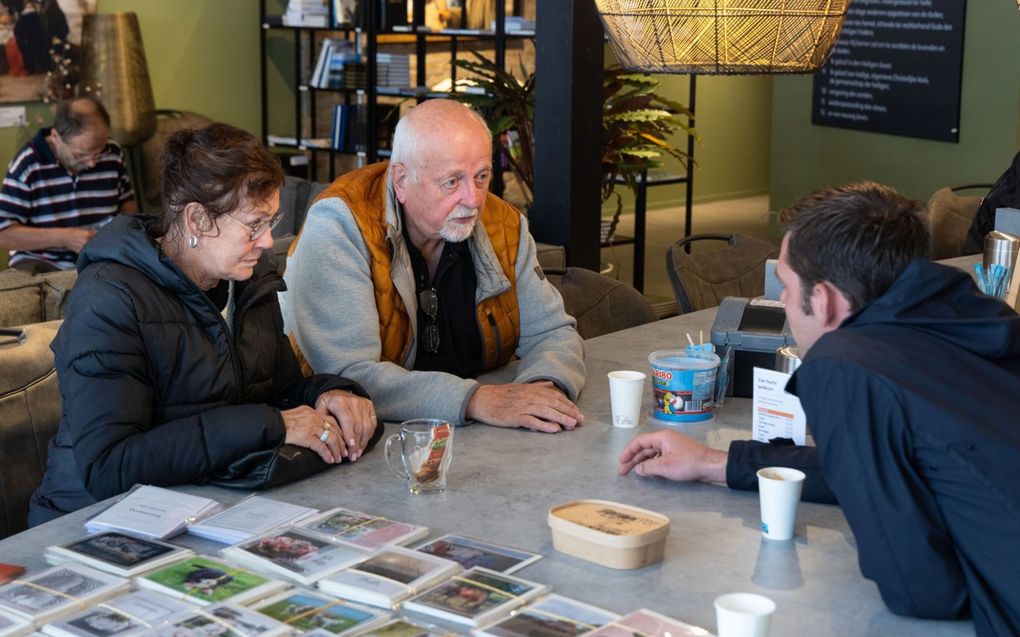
x=636 y=124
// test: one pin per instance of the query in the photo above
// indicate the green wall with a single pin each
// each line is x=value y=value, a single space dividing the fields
x=807 y=157
x=203 y=56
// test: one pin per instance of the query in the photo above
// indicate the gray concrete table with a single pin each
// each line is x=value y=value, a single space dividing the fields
x=503 y=482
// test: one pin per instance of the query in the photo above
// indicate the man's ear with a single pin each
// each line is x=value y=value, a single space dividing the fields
x=400 y=181
x=196 y=219
x=829 y=305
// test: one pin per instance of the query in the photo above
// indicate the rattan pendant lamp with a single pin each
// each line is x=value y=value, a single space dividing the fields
x=723 y=36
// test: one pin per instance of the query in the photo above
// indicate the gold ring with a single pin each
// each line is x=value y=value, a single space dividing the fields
x=325 y=435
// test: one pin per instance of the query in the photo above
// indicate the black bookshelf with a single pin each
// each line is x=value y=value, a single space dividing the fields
x=306 y=47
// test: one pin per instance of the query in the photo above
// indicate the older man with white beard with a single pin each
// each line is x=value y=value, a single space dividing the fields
x=412 y=279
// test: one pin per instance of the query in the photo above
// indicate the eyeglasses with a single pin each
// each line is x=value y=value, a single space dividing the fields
x=428 y=300
x=256 y=230
x=83 y=156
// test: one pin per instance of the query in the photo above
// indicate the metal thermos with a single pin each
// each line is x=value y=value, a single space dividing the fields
x=1001 y=248
x=787 y=359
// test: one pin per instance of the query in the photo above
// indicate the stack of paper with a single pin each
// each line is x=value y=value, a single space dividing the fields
x=152 y=512
x=117 y=553
x=252 y=516
x=57 y=591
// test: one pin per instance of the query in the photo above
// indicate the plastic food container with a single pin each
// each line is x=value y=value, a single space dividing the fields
x=608 y=533
x=683 y=384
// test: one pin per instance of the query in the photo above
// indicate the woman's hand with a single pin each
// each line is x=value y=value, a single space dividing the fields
x=356 y=417
x=305 y=427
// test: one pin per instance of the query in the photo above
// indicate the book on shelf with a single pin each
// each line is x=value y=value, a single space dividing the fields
x=370 y=531
x=551 y=615
x=126 y=614
x=251 y=516
x=203 y=580
x=220 y=620
x=474 y=598
x=117 y=553
x=57 y=591
x=306 y=610
x=388 y=577
x=306 y=13
x=344 y=12
x=152 y=512
x=296 y=554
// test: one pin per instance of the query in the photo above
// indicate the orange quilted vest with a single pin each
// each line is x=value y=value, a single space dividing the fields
x=364 y=191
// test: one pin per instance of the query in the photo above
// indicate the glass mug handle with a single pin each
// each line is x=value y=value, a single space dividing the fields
x=402 y=470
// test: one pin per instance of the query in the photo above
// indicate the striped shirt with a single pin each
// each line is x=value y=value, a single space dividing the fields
x=39 y=192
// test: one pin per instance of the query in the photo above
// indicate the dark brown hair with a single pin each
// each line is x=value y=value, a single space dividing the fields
x=219 y=166
x=859 y=237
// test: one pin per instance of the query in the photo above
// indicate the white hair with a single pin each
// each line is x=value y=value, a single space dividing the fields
x=429 y=118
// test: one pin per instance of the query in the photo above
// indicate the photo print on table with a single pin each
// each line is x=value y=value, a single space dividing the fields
x=57 y=590
x=648 y=624
x=470 y=553
x=128 y=613
x=221 y=620
x=474 y=597
x=297 y=555
x=401 y=628
x=551 y=616
x=304 y=611
x=388 y=576
x=117 y=553
x=363 y=529
x=14 y=626
x=203 y=580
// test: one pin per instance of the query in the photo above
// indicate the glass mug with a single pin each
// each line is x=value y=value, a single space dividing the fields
x=425 y=448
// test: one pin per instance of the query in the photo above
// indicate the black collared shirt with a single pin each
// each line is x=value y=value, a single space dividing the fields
x=460 y=341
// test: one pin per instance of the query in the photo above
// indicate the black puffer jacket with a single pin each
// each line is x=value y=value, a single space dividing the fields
x=155 y=388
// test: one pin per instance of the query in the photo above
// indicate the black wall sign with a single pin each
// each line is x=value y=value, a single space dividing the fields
x=896 y=69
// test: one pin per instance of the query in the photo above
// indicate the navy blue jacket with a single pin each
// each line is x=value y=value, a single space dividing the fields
x=155 y=388
x=914 y=403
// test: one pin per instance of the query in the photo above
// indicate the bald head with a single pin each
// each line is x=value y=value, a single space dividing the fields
x=430 y=129
x=74 y=117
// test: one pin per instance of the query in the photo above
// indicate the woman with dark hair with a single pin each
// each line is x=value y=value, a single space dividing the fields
x=172 y=361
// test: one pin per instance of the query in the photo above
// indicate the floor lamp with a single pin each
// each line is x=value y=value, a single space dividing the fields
x=116 y=73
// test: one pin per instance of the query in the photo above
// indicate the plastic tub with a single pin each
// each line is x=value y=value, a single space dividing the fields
x=683 y=384
x=607 y=533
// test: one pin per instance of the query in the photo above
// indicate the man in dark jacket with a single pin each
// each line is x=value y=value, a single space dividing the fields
x=909 y=383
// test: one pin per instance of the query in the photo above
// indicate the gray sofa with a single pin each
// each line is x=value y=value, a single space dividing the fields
x=29 y=416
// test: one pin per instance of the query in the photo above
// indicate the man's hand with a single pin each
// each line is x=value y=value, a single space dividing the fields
x=76 y=238
x=539 y=406
x=355 y=416
x=675 y=456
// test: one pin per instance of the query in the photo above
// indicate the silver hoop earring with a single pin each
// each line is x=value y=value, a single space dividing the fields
x=192 y=241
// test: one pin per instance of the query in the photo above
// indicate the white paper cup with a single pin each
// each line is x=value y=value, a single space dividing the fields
x=625 y=391
x=779 y=492
x=743 y=615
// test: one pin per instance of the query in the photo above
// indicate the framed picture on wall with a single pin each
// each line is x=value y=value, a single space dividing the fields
x=40 y=48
